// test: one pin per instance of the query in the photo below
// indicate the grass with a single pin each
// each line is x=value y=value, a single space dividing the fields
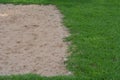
x=95 y=39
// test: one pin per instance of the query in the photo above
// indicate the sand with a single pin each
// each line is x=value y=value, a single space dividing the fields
x=31 y=40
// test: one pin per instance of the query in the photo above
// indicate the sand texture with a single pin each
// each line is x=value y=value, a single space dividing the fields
x=31 y=40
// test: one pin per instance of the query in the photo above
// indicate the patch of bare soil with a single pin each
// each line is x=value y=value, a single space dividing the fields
x=31 y=40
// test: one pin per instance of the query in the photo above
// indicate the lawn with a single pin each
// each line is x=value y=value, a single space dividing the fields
x=95 y=39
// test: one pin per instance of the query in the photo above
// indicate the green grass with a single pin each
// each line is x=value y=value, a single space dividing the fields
x=95 y=39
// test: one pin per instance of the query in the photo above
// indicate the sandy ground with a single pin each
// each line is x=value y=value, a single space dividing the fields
x=31 y=40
